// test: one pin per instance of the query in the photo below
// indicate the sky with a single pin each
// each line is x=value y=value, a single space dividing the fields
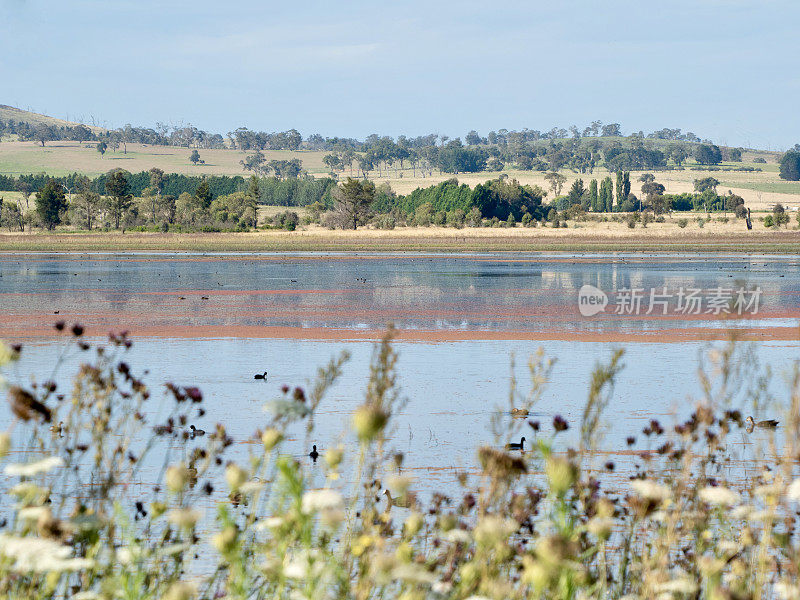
x=724 y=69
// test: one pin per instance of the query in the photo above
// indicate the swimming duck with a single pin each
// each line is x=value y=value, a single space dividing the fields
x=515 y=446
x=519 y=412
x=260 y=376
x=767 y=424
x=196 y=432
x=314 y=454
x=408 y=502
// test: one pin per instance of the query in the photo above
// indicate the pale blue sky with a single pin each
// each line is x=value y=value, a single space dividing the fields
x=725 y=69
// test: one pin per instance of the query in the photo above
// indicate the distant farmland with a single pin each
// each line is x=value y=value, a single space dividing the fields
x=760 y=189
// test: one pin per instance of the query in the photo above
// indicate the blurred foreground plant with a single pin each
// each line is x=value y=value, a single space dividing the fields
x=548 y=523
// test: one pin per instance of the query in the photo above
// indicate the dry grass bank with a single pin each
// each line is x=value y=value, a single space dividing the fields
x=608 y=237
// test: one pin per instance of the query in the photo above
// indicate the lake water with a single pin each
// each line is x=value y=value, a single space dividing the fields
x=215 y=320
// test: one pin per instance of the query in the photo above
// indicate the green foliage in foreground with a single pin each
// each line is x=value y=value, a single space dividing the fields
x=544 y=523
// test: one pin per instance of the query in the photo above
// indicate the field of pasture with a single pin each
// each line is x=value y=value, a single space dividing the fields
x=760 y=189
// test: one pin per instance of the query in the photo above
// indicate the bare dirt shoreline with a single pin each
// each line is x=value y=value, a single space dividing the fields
x=420 y=239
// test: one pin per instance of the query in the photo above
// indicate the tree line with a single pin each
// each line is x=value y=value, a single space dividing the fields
x=505 y=202
x=154 y=199
x=579 y=149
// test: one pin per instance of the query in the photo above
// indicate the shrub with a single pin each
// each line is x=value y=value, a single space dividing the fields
x=385 y=222
x=456 y=218
x=769 y=221
x=473 y=218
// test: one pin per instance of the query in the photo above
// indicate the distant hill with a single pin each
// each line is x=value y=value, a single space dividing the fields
x=10 y=113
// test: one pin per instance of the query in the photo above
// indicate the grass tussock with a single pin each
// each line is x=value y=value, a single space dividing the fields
x=546 y=523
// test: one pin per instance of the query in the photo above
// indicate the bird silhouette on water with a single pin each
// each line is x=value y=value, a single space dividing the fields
x=516 y=446
x=196 y=432
x=314 y=454
x=260 y=376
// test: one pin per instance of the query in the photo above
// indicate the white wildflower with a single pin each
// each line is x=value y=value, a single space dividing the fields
x=183 y=517
x=269 y=523
x=651 y=490
x=303 y=564
x=659 y=516
x=793 y=491
x=442 y=587
x=741 y=512
x=251 y=487
x=719 y=496
x=39 y=555
x=457 y=536
x=32 y=513
x=296 y=568
x=413 y=573
x=126 y=556
x=787 y=591
x=681 y=585
x=27 y=492
x=7 y=354
x=36 y=468
x=314 y=500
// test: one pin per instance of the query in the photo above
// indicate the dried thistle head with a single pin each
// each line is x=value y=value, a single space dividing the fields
x=499 y=464
x=25 y=406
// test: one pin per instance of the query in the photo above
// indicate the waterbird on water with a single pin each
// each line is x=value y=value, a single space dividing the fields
x=515 y=446
x=519 y=412
x=408 y=502
x=314 y=454
x=196 y=432
x=767 y=424
x=260 y=376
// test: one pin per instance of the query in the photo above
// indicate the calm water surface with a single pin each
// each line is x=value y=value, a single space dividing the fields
x=215 y=320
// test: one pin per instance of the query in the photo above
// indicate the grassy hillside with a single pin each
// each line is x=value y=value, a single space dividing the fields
x=10 y=113
x=760 y=189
